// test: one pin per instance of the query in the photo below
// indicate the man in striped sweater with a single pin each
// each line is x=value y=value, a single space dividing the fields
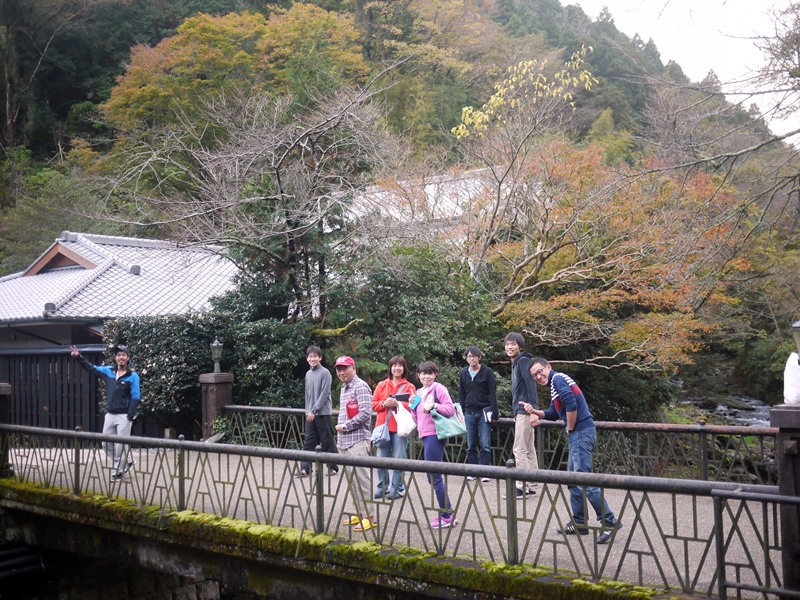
x=568 y=403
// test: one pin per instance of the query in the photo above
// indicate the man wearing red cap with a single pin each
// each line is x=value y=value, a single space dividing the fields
x=353 y=429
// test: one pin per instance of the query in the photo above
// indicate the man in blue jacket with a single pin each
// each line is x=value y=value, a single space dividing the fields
x=122 y=398
x=568 y=403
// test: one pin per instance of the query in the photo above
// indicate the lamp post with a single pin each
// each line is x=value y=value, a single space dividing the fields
x=216 y=389
x=216 y=353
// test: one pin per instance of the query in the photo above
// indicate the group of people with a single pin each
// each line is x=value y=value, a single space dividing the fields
x=477 y=396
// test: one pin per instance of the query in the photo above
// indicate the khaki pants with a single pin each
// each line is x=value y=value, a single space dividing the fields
x=118 y=453
x=362 y=491
x=524 y=447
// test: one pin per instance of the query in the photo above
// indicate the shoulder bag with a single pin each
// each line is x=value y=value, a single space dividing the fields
x=381 y=436
x=448 y=426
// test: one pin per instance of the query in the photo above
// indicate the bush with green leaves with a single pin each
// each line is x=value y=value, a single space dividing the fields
x=170 y=353
x=760 y=365
x=269 y=358
x=421 y=307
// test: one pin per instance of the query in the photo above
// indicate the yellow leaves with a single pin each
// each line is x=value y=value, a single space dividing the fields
x=661 y=339
x=307 y=32
x=524 y=89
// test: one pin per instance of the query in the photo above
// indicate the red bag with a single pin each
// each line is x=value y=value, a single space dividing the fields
x=351 y=407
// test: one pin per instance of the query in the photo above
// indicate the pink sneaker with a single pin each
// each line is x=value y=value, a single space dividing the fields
x=441 y=522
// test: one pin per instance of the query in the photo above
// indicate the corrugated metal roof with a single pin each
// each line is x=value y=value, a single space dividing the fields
x=170 y=280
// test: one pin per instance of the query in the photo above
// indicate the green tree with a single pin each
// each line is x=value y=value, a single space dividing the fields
x=28 y=29
x=50 y=203
x=618 y=145
x=306 y=51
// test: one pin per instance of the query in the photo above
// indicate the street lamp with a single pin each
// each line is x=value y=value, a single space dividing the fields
x=796 y=337
x=216 y=353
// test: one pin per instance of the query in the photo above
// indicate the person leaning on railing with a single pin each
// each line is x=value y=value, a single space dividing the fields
x=568 y=403
x=122 y=398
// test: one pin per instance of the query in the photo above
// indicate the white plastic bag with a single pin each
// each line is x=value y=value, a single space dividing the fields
x=405 y=422
x=791 y=380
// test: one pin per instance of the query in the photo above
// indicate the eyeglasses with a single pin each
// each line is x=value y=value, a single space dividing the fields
x=538 y=373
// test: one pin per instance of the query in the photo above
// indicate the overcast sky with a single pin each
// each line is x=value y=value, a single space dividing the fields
x=698 y=34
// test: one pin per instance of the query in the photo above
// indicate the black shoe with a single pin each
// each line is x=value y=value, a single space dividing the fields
x=522 y=494
x=302 y=473
x=333 y=471
x=605 y=536
x=119 y=476
x=126 y=470
x=570 y=529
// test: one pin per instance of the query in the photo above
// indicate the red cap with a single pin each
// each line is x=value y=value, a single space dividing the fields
x=344 y=361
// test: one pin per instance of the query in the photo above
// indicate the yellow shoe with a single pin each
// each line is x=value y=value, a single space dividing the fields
x=352 y=520
x=366 y=525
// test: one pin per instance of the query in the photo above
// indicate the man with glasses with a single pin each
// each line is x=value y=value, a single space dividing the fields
x=568 y=403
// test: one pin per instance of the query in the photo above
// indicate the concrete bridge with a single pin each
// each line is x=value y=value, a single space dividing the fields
x=240 y=517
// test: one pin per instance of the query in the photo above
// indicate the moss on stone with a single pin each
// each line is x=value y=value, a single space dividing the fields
x=361 y=561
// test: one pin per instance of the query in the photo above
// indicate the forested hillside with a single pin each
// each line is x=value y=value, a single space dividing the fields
x=630 y=222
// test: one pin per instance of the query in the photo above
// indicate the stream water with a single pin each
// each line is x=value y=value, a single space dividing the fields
x=756 y=416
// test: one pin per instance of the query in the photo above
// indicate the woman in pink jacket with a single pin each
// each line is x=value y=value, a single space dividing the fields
x=433 y=395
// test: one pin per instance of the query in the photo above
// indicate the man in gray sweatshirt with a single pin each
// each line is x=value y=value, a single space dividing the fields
x=319 y=423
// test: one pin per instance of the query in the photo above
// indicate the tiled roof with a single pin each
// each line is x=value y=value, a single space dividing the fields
x=131 y=277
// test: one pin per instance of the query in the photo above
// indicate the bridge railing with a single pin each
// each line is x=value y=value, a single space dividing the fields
x=709 y=453
x=685 y=536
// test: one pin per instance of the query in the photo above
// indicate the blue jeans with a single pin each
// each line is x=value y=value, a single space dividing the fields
x=396 y=448
x=479 y=439
x=433 y=450
x=581 y=446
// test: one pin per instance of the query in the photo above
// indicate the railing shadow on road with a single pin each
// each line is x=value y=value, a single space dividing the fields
x=677 y=534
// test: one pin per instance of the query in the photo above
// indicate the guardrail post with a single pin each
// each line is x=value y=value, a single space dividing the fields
x=539 y=433
x=76 y=474
x=787 y=450
x=181 y=476
x=703 y=451
x=5 y=418
x=719 y=535
x=320 y=492
x=511 y=521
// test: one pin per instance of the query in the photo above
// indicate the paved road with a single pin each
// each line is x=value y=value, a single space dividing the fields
x=666 y=539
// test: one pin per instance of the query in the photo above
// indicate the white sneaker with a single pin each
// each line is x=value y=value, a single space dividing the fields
x=470 y=478
x=485 y=479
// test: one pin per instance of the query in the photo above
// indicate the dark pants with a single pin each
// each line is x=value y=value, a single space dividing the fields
x=479 y=439
x=433 y=450
x=319 y=432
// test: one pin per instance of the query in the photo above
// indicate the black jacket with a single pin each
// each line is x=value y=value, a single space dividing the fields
x=476 y=394
x=523 y=387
